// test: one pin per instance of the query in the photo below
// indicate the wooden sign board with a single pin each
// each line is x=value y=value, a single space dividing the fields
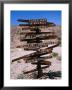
x=31 y=20
x=38 y=38
x=36 y=69
x=43 y=63
x=34 y=32
x=32 y=59
x=37 y=46
x=40 y=58
x=36 y=35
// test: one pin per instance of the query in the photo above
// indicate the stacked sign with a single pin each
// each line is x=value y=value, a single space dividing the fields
x=35 y=41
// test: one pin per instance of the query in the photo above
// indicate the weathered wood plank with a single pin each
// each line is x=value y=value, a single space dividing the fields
x=43 y=63
x=32 y=20
x=35 y=70
x=36 y=58
x=33 y=36
x=40 y=38
x=30 y=33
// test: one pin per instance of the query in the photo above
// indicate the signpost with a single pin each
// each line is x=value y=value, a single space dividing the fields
x=35 y=42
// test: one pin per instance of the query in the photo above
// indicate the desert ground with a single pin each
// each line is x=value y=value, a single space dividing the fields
x=18 y=68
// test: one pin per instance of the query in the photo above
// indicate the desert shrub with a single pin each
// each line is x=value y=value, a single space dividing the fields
x=52 y=75
x=54 y=54
x=20 y=76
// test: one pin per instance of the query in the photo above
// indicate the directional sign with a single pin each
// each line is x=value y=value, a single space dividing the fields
x=39 y=38
x=53 y=46
x=43 y=63
x=36 y=69
x=33 y=32
x=35 y=24
x=38 y=54
x=31 y=36
x=32 y=59
x=38 y=24
x=33 y=41
x=33 y=20
x=35 y=46
x=38 y=58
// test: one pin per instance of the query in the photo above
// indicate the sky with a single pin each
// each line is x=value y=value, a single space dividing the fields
x=51 y=16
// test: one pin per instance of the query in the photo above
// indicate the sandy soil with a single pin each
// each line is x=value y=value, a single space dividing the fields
x=18 y=67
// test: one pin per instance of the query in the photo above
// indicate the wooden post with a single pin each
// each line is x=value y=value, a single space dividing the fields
x=40 y=73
